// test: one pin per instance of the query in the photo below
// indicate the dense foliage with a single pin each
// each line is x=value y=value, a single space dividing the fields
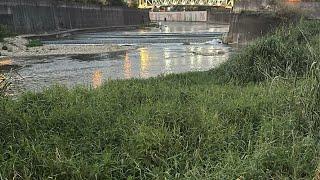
x=102 y=2
x=255 y=117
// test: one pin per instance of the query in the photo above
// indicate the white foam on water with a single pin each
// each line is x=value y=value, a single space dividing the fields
x=214 y=42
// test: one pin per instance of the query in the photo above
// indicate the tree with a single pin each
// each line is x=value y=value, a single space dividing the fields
x=101 y=2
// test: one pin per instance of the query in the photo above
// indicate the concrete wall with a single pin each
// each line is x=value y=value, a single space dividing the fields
x=30 y=16
x=200 y=16
x=247 y=27
x=254 y=18
x=219 y=17
x=250 y=5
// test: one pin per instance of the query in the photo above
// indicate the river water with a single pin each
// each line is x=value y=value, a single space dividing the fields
x=157 y=51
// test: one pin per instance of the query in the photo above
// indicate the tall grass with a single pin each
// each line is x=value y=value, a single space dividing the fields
x=4 y=85
x=289 y=52
x=255 y=117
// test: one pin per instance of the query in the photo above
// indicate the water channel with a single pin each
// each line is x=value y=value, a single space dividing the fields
x=175 y=48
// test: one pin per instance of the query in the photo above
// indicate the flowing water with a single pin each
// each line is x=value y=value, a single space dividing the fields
x=174 y=48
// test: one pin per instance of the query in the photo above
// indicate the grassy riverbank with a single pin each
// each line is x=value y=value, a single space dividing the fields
x=255 y=117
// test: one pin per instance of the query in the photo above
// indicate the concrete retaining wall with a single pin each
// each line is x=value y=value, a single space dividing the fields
x=29 y=16
x=250 y=5
x=247 y=27
x=219 y=17
x=253 y=19
x=200 y=16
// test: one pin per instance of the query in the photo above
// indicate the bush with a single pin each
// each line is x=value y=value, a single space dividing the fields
x=101 y=2
x=34 y=43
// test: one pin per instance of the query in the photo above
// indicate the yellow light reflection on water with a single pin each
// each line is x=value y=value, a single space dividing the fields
x=127 y=67
x=144 y=62
x=97 y=78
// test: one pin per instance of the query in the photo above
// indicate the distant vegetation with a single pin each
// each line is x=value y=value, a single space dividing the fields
x=102 y=2
x=255 y=117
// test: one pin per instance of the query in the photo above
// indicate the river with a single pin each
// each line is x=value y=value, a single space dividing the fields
x=157 y=51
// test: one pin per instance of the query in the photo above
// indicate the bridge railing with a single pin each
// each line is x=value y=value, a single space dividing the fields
x=150 y=4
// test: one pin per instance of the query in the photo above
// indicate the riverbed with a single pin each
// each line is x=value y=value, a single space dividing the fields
x=174 y=48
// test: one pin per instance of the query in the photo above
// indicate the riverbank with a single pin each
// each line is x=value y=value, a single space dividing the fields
x=18 y=47
x=254 y=117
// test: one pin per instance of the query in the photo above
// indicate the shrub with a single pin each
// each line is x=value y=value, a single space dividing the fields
x=34 y=43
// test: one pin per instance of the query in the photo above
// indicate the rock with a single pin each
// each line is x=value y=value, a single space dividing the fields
x=4 y=48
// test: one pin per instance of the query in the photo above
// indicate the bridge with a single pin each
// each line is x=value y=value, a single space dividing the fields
x=150 y=4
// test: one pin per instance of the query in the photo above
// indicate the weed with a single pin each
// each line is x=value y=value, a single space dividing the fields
x=34 y=43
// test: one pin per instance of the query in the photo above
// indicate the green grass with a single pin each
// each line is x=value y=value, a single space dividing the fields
x=288 y=53
x=233 y=122
x=4 y=85
x=34 y=43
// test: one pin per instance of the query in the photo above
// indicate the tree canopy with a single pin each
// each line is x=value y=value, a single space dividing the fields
x=101 y=2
